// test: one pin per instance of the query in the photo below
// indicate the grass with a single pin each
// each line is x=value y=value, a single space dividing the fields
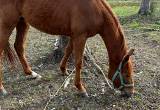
x=157 y=22
x=128 y=7
x=126 y=10
x=123 y=3
x=134 y=25
x=125 y=7
x=154 y=36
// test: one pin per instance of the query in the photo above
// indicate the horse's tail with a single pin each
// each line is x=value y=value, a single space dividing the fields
x=10 y=56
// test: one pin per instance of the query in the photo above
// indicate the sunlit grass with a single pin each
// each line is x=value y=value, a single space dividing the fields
x=126 y=10
x=147 y=24
x=157 y=9
x=128 y=7
x=123 y=3
x=134 y=24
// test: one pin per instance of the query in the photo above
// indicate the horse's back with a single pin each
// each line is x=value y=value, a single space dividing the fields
x=59 y=16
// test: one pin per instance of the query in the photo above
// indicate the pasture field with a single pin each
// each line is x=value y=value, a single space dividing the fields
x=142 y=34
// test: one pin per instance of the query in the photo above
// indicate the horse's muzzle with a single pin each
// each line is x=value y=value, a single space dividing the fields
x=127 y=92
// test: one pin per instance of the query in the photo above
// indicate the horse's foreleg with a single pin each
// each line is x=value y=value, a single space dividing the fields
x=22 y=29
x=64 y=60
x=78 y=48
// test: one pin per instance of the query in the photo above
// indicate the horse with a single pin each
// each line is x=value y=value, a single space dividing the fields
x=79 y=19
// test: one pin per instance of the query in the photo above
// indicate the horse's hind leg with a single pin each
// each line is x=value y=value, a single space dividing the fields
x=22 y=29
x=5 y=32
x=78 y=48
x=64 y=60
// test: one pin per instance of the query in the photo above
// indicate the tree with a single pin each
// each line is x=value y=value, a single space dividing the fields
x=145 y=7
x=59 y=48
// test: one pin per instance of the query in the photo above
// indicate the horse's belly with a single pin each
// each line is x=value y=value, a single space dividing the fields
x=50 y=27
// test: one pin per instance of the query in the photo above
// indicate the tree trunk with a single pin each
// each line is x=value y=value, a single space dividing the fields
x=145 y=7
x=60 y=45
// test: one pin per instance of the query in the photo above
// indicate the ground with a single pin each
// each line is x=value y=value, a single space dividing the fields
x=26 y=93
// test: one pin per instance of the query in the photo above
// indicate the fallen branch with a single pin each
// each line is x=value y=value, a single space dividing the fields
x=56 y=93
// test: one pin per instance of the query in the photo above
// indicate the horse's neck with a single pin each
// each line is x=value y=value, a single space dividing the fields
x=117 y=49
x=115 y=43
x=113 y=36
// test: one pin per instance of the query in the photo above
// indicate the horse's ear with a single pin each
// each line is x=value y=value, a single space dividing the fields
x=126 y=57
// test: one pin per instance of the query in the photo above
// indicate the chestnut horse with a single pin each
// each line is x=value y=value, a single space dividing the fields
x=79 y=19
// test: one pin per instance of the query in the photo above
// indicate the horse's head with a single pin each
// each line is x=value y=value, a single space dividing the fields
x=122 y=76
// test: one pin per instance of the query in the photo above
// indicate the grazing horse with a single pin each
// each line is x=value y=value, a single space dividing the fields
x=79 y=19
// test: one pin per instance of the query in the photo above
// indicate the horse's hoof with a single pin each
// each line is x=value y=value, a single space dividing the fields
x=39 y=77
x=36 y=76
x=3 y=92
x=83 y=94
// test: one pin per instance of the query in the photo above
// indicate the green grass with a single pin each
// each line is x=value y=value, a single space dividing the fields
x=157 y=22
x=134 y=24
x=147 y=27
x=123 y=3
x=157 y=10
x=149 y=24
x=128 y=7
x=126 y=10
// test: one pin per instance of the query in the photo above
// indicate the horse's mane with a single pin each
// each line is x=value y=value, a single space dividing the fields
x=116 y=24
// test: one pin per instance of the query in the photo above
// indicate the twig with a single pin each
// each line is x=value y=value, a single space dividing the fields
x=106 y=79
x=98 y=67
x=64 y=82
x=52 y=96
